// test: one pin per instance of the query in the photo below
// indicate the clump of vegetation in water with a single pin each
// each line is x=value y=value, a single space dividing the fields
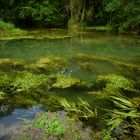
x=117 y=82
x=81 y=109
x=124 y=119
x=5 y=81
x=2 y=94
x=11 y=64
x=28 y=81
x=37 y=34
x=114 y=84
x=83 y=57
x=64 y=81
x=50 y=101
x=49 y=64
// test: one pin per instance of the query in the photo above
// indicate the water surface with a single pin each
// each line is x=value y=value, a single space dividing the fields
x=65 y=44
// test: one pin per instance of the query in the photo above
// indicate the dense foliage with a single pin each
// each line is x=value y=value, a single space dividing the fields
x=122 y=15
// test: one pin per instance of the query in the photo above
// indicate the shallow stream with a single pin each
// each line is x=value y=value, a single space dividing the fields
x=109 y=53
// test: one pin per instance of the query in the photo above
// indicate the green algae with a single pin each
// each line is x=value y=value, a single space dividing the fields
x=136 y=100
x=117 y=81
x=64 y=81
x=49 y=64
x=100 y=28
x=24 y=101
x=28 y=81
x=2 y=94
x=91 y=58
x=11 y=64
x=113 y=84
x=50 y=101
x=5 y=82
x=37 y=34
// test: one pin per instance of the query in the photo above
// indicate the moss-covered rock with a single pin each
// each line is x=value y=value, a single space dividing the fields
x=11 y=64
x=49 y=64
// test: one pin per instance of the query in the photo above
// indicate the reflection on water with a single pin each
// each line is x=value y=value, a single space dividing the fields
x=115 y=46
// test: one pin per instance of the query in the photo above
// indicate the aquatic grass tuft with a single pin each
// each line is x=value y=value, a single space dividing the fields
x=81 y=109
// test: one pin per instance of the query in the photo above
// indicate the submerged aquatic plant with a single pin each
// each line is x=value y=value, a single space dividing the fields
x=2 y=94
x=123 y=118
x=91 y=58
x=49 y=64
x=81 y=108
x=118 y=81
x=27 y=81
x=115 y=84
x=64 y=81
x=5 y=82
x=11 y=64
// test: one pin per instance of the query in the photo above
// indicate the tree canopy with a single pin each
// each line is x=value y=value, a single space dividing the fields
x=122 y=15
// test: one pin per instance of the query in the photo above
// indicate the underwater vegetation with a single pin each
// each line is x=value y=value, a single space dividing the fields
x=38 y=34
x=49 y=64
x=25 y=84
x=64 y=81
x=91 y=58
x=11 y=64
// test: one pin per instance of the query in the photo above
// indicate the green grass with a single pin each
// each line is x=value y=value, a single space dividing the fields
x=8 y=28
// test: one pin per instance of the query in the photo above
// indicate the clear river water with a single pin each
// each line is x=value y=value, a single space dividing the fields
x=105 y=47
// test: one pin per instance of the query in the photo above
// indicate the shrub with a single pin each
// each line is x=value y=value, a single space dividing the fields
x=8 y=27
